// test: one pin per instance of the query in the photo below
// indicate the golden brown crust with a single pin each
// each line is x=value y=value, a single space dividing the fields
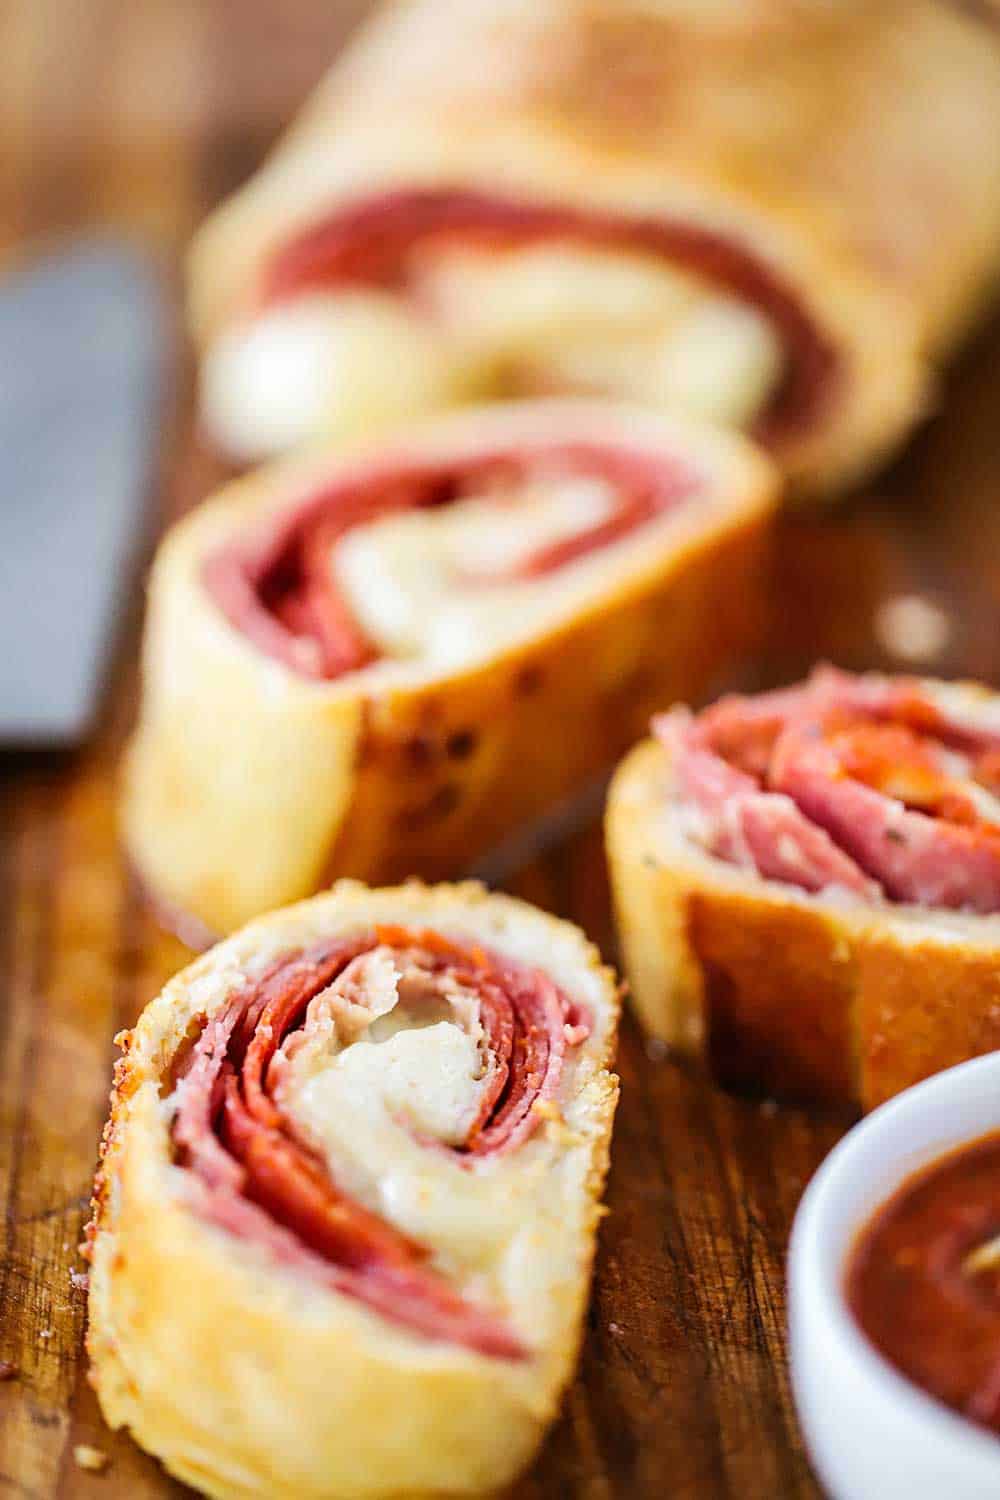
x=863 y=120
x=797 y=995
x=243 y=1378
x=453 y=770
x=778 y=987
x=420 y=777
x=921 y=1008
x=855 y=148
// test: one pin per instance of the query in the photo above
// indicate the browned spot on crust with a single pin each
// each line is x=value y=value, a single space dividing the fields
x=175 y=1071
x=443 y=802
x=365 y=745
x=461 y=744
x=123 y=1086
x=419 y=751
x=528 y=680
x=987 y=12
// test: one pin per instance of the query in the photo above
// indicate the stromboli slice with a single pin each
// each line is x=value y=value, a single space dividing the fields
x=753 y=213
x=807 y=883
x=380 y=665
x=346 y=1209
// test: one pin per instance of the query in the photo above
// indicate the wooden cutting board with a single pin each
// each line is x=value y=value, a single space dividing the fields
x=143 y=112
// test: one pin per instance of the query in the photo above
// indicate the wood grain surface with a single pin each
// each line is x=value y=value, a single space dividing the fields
x=141 y=113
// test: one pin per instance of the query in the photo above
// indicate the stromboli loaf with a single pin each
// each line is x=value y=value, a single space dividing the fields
x=380 y=665
x=348 y=1196
x=781 y=215
x=808 y=883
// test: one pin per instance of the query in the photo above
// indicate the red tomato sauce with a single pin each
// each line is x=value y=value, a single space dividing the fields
x=924 y=1280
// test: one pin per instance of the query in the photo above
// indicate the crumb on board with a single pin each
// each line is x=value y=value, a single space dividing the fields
x=912 y=627
x=86 y=1457
x=44 y=1334
x=7 y=1369
x=79 y=1281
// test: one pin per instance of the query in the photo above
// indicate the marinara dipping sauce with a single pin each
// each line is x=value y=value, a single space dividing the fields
x=924 y=1280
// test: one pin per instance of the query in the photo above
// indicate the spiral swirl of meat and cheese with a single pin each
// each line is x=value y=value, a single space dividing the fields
x=382 y=665
x=352 y=1166
x=809 y=881
x=750 y=213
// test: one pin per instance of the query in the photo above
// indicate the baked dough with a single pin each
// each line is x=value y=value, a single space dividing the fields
x=847 y=156
x=830 y=930
x=490 y=656
x=415 y=1338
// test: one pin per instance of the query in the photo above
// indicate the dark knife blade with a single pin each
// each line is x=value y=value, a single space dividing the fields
x=83 y=356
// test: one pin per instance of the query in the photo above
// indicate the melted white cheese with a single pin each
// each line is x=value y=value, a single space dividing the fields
x=965 y=704
x=382 y=1102
x=624 y=325
x=523 y=301
x=987 y=805
x=721 y=360
x=411 y=579
x=336 y=363
x=476 y=319
x=429 y=1079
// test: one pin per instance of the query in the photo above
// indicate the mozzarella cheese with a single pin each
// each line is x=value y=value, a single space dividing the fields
x=720 y=360
x=986 y=803
x=624 y=325
x=419 y=582
x=339 y=363
x=378 y=1101
x=511 y=302
x=479 y=320
x=427 y=1080
x=965 y=703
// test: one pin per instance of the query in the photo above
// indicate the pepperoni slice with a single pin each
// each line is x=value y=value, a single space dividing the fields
x=278 y=586
x=883 y=787
x=258 y=1180
x=369 y=242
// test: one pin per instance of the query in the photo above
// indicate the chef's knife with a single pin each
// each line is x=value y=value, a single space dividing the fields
x=83 y=353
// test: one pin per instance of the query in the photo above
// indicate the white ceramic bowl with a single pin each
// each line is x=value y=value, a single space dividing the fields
x=871 y=1434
